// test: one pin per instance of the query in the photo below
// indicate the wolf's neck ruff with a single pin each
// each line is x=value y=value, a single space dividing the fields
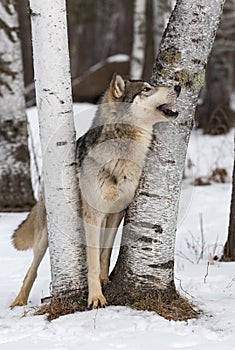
x=125 y=131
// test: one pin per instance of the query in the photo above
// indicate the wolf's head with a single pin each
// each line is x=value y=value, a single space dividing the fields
x=148 y=104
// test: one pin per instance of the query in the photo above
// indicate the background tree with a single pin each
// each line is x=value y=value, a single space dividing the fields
x=229 y=248
x=53 y=90
x=100 y=29
x=215 y=115
x=15 y=183
x=144 y=274
x=161 y=13
x=139 y=40
x=97 y=30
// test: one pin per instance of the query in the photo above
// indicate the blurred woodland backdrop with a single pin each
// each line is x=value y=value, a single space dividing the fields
x=101 y=29
x=105 y=36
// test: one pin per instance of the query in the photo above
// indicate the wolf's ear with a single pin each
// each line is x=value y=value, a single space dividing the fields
x=117 y=86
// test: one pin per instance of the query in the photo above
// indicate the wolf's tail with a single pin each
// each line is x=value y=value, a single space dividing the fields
x=24 y=235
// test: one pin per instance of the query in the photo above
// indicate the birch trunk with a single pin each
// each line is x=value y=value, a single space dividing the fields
x=15 y=179
x=54 y=102
x=144 y=274
x=139 y=39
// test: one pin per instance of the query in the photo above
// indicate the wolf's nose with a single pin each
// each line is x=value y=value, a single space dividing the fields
x=177 y=89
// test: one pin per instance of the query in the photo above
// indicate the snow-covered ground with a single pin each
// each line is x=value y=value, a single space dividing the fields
x=202 y=230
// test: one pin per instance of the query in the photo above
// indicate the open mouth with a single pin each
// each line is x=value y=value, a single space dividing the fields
x=167 y=110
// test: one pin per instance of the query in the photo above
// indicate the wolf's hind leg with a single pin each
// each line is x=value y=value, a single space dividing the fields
x=112 y=223
x=39 y=250
x=92 y=225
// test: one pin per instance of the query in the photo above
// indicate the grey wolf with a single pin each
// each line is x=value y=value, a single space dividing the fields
x=111 y=157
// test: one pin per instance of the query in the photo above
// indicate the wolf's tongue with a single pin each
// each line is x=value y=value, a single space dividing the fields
x=166 y=110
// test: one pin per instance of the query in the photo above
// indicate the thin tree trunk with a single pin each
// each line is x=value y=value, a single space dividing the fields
x=215 y=115
x=161 y=13
x=15 y=179
x=144 y=274
x=139 y=39
x=229 y=248
x=54 y=102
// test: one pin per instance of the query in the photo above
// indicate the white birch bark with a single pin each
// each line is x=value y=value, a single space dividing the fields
x=54 y=102
x=139 y=39
x=146 y=264
x=15 y=182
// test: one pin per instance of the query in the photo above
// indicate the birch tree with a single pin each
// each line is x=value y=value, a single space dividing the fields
x=144 y=274
x=54 y=102
x=15 y=179
x=139 y=39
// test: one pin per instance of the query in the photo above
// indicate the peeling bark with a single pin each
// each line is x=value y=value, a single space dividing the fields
x=15 y=179
x=145 y=266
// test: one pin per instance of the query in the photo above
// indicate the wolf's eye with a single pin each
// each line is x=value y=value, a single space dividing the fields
x=146 y=89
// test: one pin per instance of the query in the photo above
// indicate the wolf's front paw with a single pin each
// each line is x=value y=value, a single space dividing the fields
x=18 y=302
x=96 y=300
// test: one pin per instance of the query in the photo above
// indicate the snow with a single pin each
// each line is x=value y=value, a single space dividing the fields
x=210 y=286
x=118 y=58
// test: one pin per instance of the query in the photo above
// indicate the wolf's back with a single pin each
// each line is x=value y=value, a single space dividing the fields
x=24 y=236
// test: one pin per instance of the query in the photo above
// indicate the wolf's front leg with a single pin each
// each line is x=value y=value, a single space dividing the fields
x=95 y=295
